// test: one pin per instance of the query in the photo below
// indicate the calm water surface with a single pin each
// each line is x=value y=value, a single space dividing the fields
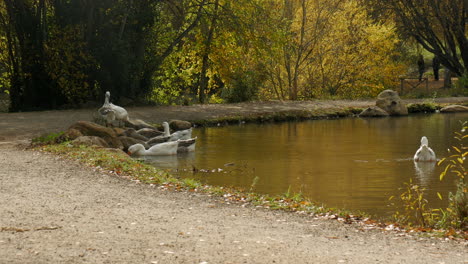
x=348 y=163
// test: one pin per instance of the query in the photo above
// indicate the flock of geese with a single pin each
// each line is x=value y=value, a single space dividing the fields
x=182 y=141
x=162 y=145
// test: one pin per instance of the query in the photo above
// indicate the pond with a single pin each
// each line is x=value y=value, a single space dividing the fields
x=350 y=163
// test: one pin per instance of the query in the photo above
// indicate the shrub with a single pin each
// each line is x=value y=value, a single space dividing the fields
x=454 y=166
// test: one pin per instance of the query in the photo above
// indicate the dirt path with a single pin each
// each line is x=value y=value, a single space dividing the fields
x=56 y=211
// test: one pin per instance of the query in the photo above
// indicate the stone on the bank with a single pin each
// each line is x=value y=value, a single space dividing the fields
x=454 y=108
x=373 y=111
x=90 y=141
x=119 y=130
x=177 y=125
x=92 y=129
x=391 y=103
x=69 y=134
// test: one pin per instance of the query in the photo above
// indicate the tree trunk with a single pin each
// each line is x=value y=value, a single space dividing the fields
x=206 y=53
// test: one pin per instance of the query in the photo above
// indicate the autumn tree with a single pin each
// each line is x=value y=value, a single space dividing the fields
x=439 y=26
x=356 y=58
x=218 y=59
x=332 y=47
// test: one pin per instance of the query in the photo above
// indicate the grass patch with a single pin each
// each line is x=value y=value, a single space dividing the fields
x=110 y=160
x=46 y=139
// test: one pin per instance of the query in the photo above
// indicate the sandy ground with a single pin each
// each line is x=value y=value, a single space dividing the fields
x=57 y=211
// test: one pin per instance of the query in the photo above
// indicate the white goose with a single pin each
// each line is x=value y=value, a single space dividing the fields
x=163 y=149
x=119 y=113
x=181 y=134
x=108 y=115
x=162 y=138
x=167 y=136
x=186 y=145
x=424 y=153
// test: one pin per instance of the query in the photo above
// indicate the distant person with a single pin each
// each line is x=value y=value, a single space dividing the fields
x=447 y=78
x=436 y=67
x=421 y=66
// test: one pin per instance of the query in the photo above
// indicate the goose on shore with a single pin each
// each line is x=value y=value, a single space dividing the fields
x=108 y=115
x=116 y=112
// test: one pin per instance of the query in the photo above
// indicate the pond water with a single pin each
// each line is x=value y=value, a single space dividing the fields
x=350 y=163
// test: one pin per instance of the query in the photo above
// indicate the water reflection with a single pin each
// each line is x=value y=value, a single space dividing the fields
x=424 y=171
x=169 y=162
x=353 y=163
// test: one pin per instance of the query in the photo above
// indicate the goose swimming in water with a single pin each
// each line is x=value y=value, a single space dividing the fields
x=161 y=138
x=167 y=136
x=186 y=145
x=163 y=149
x=181 y=134
x=424 y=153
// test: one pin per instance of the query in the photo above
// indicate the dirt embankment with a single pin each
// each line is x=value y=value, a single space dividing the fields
x=57 y=211
x=24 y=126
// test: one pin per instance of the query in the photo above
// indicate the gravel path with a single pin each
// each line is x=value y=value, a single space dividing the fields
x=57 y=211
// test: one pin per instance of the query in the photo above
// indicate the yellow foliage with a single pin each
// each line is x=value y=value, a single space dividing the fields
x=336 y=49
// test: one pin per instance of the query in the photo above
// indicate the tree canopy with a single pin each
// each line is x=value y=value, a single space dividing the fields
x=64 y=53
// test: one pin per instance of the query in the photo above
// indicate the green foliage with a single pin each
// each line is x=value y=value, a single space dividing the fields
x=462 y=82
x=243 y=86
x=47 y=139
x=293 y=196
x=422 y=108
x=192 y=183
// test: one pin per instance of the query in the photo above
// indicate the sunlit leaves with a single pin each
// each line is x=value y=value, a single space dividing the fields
x=335 y=49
